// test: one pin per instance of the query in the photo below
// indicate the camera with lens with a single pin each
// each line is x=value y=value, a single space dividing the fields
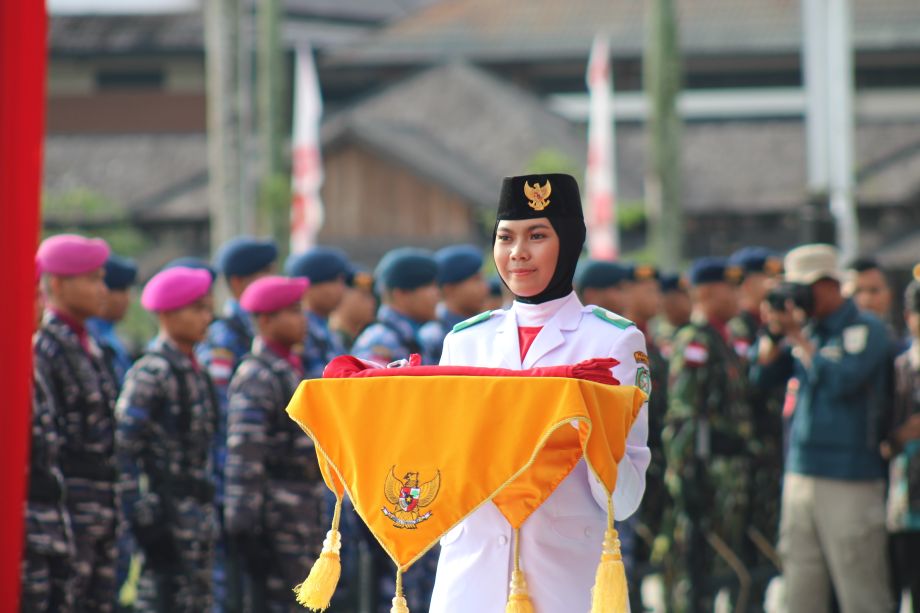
x=800 y=295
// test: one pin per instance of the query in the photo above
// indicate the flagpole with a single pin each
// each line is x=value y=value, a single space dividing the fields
x=307 y=175
x=600 y=176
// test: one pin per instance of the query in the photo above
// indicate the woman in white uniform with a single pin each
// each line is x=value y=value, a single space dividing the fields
x=538 y=237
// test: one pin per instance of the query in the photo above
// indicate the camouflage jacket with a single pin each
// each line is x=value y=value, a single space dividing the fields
x=229 y=339
x=321 y=345
x=47 y=527
x=84 y=391
x=392 y=337
x=270 y=459
x=708 y=424
x=166 y=421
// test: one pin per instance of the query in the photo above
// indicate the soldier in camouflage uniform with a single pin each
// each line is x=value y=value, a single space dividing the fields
x=120 y=274
x=48 y=554
x=274 y=495
x=707 y=442
x=760 y=268
x=464 y=291
x=84 y=392
x=357 y=310
x=605 y=284
x=167 y=415
x=327 y=269
x=406 y=278
x=644 y=302
x=241 y=261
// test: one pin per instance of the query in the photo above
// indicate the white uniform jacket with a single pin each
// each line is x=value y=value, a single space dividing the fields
x=561 y=541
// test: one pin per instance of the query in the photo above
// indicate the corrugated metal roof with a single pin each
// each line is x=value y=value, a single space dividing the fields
x=497 y=30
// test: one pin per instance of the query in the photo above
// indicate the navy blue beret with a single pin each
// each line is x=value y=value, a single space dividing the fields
x=643 y=272
x=244 y=255
x=120 y=273
x=600 y=274
x=319 y=264
x=457 y=263
x=406 y=268
x=756 y=259
x=673 y=282
x=192 y=262
x=714 y=270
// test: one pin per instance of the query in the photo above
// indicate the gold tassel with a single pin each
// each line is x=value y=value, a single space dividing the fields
x=519 y=597
x=610 y=593
x=315 y=593
x=399 y=600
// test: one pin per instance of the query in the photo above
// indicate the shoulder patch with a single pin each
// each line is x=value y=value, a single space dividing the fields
x=612 y=318
x=855 y=337
x=472 y=321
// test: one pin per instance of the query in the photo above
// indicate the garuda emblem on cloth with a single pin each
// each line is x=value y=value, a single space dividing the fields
x=538 y=195
x=409 y=498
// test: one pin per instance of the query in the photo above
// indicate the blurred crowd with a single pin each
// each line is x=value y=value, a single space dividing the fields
x=784 y=425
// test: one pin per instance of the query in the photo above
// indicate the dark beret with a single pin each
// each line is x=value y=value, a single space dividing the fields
x=757 y=259
x=406 y=268
x=457 y=263
x=600 y=274
x=192 y=262
x=120 y=273
x=319 y=264
x=244 y=255
x=714 y=270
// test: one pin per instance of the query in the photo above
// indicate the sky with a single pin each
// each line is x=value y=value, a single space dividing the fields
x=118 y=6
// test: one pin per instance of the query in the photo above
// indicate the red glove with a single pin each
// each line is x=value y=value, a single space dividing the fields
x=595 y=369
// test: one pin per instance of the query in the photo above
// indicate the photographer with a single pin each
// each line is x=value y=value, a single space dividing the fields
x=832 y=531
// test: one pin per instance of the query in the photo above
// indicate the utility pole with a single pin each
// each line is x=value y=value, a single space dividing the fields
x=222 y=18
x=270 y=60
x=663 y=76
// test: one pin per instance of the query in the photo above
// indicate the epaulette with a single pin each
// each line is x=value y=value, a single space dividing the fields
x=472 y=321
x=612 y=318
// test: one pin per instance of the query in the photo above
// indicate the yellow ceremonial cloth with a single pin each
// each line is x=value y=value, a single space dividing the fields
x=418 y=454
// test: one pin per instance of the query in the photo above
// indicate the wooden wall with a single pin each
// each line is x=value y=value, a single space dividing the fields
x=374 y=204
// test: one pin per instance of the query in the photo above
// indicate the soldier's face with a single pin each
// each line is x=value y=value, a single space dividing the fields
x=116 y=304
x=189 y=324
x=326 y=297
x=468 y=296
x=871 y=292
x=755 y=287
x=286 y=327
x=614 y=299
x=645 y=298
x=358 y=307
x=677 y=308
x=526 y=252
x=420 y=303
x=81 y=296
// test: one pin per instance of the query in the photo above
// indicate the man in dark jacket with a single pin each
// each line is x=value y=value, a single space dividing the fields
x=832 y=531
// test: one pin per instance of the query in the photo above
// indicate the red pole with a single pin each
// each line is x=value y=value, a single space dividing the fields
x=23 y=26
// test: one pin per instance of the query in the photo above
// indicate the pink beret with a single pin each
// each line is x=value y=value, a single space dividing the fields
x=270 y=294
x=72 y=254
x=175 y=288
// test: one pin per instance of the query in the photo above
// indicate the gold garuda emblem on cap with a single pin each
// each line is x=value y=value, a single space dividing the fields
x=538 y=196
